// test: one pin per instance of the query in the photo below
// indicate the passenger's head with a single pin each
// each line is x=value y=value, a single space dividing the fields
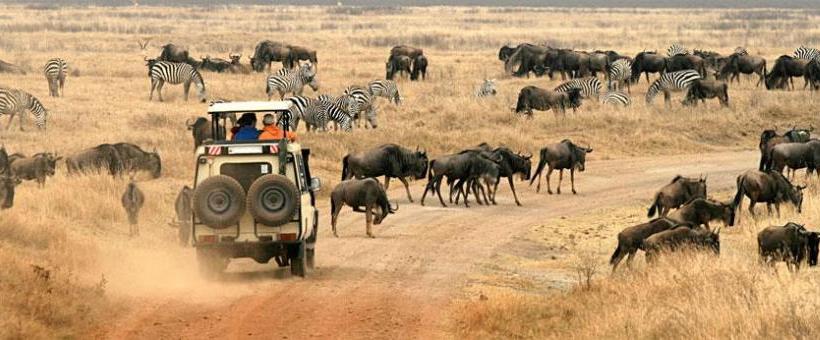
x=247 y=119
x=269 y=119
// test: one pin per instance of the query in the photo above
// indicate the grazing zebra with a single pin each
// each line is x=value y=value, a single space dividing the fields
x=13 y=101
x=385 y=88
x=620 y=71
x=806 y=53
x=676 y=49
x=590 y=87
x=616 y=98
x=364 y=102
x=175 y=73
x=740 y=50
x=487 y=88
x=297 y=110
x=671 y=82
x=292 y=81
x=55 y=71
x=340 y=110
x=318 y=113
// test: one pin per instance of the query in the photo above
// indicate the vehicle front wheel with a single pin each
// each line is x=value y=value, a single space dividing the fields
x=211 y=262
x=298 y=260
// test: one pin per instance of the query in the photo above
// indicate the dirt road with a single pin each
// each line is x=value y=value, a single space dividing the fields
x=400 y=284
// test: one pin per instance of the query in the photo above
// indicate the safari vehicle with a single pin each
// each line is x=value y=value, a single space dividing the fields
x=253 y=198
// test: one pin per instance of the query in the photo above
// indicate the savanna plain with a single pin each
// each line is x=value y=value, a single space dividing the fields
x=68 y=268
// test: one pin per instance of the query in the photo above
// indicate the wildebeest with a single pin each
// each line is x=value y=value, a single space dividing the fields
x=299 y=53
x=681 y=238
x=10 y=68
x=177 y=54
x=505 y=52
x=237 y=66
x=397 y=64
x=4 y=161
x=701 y=211
x=182 y=207
x=770 y=187
x=702 y=89
x=679 y=191
x=785 y=68
x=511 y=164
x=388 y=160
x=101 y=157
x=419 y=68
x=795 y=156
x=364 y=195
x=681 y=62
x=37 y=167
x=631 y=239
x=647 y=62
x=529 y=58
x=790 y=243
x=215 y=64
x=746 y=64
x=201 y=129
x=409 y=51
x=811 y=75
x=135 y=159
x=532 y=97
x=269 y=51
x=770 y=138
x=7 y=184
x=132 y=201
x=574 y=63
x=563 y=155
x=598 y=62
x=479 y=167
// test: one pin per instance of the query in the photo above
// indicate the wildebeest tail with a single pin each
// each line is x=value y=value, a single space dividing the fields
x=615 y=255
x=740 y=191
x=654 y=207
x=345 y=167
x=541 y=163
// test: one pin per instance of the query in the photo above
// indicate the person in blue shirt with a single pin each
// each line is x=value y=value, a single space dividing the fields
x=247 y=128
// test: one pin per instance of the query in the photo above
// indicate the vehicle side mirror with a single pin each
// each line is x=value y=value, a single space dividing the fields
x=315 y=184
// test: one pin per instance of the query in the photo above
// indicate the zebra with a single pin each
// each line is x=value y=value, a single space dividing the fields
x=364 y=102
x=297 y=110
x=590 y=87
x=318 y=113
x=175 y=73
x=671 y=82
x=340 y=110
x=676 y=49
x=806 y=53
x=385 y=88
x=55 y=71
x=13 y=101
x=292 y=81
x=620 y=72
x=487 y=88
x=616 y=98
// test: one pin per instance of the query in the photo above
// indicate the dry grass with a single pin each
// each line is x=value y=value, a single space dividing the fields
x=75 y=227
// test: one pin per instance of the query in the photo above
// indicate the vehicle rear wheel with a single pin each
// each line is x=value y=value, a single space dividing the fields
x=298 y=261
x=211 y=262
x=219 y=201
x=273 y=199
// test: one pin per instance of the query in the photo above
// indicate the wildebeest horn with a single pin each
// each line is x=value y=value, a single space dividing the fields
x=189 y=123
x=391 y=209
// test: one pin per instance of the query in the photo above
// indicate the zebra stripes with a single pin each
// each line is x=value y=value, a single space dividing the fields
x=616 y=98
x=620 y=71
x=55 y=71
x=339 y=109
x=487 y=88
x=590 y=87
x=364 y=102
x=291 y=81
x=297 y=110
x=385 y=88
x=17 y=102
x=671 y=82
x=806 y=53
x=175 y=73
x=676 y=49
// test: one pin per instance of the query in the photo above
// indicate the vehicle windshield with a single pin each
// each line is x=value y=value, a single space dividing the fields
x=244 y=127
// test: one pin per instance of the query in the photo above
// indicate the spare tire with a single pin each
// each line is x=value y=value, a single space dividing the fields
x=219 y=202
x=273 y=199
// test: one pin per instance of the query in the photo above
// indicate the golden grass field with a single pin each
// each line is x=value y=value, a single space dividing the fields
x=76 y=230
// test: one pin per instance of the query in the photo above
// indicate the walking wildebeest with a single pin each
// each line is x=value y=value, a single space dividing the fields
x=419 y=68
x=681 y=238
x=769 y=139
x=135 y=159
x=647 y=62
x=785 y=68
x=477 y=166
x=812 y=74
x=37 y=167
x=532 y=97
x=700 y=211
x=101 y=157
x=574 y=63
x=529 y=58
x=7 y=184
x=631 y=239
x=679 y=191
x=269 y=51
x=702 y=89
x=132 y=201
x=770 y=187
x=405 y=50
x=795 y=156
x=510 y=165
x=790 y=243
x=299 y=53
x=363 y=195
x=397 y=64
x=505 y=52
x=563 y=155
x=746 y=64
x=388 y=160
x=182 y=207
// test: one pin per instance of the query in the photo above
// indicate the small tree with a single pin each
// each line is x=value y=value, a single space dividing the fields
x=585 y=266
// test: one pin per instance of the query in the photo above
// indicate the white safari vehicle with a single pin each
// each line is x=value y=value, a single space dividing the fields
x=253 y=198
